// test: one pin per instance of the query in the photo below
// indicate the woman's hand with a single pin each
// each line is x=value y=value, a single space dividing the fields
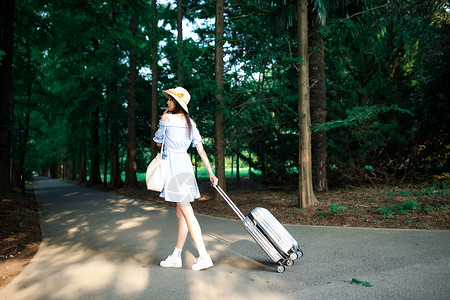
x=213 y=179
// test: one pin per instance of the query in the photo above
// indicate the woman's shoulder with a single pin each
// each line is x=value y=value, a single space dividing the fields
x=166 y=117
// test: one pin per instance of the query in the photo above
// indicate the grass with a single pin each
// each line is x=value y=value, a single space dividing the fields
x=334 y=209
x=243 y=172
x=202 y=173
x=437 y=207
x=439 y=189
x=406 y=207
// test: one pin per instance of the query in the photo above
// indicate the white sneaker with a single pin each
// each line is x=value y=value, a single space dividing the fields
x=171 y=262
x=202 y=263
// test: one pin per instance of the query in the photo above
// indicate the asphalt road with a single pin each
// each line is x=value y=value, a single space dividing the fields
x=98 y=245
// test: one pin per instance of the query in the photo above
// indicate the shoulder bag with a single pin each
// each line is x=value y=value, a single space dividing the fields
x=156 y=174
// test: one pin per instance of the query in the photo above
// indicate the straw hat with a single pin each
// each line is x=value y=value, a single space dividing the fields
x=181 y=95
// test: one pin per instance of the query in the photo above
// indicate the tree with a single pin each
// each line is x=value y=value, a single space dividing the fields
x=6 y=44
x=219 y=135
x=317 y=99
x=94 y=127
x=113 y=93
x=130 y=171
x=154 y=105
x=306 y=195
x=23 y=121
x=180 y=72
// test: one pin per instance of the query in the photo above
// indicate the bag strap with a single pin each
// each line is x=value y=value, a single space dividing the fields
x=164 y=134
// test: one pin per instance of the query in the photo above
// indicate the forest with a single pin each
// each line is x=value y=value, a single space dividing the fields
x=292 y=93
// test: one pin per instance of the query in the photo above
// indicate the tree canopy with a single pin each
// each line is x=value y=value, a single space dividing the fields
x=386 y=68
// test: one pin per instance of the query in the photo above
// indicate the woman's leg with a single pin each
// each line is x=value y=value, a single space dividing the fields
x=203 y=261
x=185 y=209
x=182 y=229
x=174 y=260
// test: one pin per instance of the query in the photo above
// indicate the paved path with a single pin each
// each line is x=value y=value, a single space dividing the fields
x=102 y=246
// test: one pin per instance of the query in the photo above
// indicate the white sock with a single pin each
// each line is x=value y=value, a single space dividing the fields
x=177 y=252
x=202 y=252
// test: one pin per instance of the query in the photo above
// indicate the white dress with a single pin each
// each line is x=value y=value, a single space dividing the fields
x=180 y=185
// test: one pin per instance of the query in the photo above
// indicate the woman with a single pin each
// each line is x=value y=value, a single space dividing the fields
x=178 y=131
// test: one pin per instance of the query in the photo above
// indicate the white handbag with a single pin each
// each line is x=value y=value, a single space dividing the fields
x=156 y=174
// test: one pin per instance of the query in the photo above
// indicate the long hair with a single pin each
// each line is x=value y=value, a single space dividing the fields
x=178 y=109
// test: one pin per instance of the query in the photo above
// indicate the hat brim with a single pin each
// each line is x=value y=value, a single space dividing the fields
x=182 y=104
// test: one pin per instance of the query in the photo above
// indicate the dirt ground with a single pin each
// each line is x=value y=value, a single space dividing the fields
x=420 y=206
x=20 y=233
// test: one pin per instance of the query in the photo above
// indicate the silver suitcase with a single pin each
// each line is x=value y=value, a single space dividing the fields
x=268 y=232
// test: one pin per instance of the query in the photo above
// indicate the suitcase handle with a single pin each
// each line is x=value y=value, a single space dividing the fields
x=229 y=201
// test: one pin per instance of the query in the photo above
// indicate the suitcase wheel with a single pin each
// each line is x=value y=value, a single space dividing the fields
x=289 y=262
x=281 y=268
x=299 y=253
x=293 y=256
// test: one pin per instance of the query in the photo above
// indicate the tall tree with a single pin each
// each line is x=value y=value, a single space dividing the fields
x=219 y=134
x=317 y=100
x=94 y=127
x=7 y=45
x=305 y=188
x=24 y=127
x=154 y=105
x=130 y=170
x=180 y=72
x=94 y=177
x=116 y=179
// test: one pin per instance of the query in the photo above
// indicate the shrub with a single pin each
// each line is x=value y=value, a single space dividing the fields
x=405 y=207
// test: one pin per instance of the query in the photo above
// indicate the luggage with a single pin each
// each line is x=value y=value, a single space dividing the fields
x=265 y=229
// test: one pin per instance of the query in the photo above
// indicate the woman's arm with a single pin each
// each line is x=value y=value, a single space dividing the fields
x=204 y=157
x=163 y=119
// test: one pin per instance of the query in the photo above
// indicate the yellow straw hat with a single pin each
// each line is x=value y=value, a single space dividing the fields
x=181 y=95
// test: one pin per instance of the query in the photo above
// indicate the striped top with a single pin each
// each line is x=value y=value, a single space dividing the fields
x=180 y=185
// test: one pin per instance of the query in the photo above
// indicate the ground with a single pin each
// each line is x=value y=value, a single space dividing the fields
x=419 y=206
x=20 y=233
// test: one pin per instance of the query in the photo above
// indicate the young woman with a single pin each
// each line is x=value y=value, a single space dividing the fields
x=181 y=187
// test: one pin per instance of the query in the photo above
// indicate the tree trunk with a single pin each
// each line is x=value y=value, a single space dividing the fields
x=73 y=173
x=95 y=177
x=238 y=175
x=219 y=134
x=82 y=165
x=105 y=157
x=7 y=9
x=305 y=188
x=130 y=170
x=318 y=102
x=116 y=179
x=154 y=105
x=24 y=132
x=180 y=72
x=24 y=142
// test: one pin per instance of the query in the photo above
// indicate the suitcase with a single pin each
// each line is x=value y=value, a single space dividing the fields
x=268 y=232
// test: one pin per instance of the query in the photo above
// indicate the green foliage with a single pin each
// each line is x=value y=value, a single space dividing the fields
x=337 y=209
x=374 y=94
x=438 y=189
x=386 y=78
x=334 y=209
x=436 y=207
x=359 y=282
x=406 y=207
x=357 y=115
x=2 y=53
